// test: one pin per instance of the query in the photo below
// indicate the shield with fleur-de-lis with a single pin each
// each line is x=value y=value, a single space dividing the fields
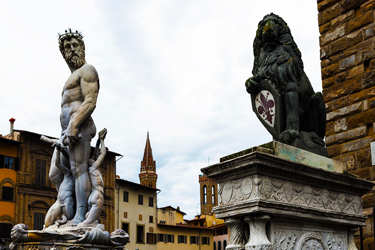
x=268 y=106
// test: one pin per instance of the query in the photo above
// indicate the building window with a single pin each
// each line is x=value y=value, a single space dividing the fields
x=125 y=227
x=151 y=219
x=194 y=240
x=125 y=214
x=214 y=245
x=140 y=199
x=5 y=229
x=7 y=193
x=224 y=244
x=160 y=237
x=204 y=194
x=40 y=172
x=150 y=167
x=169 y=238
x=213 y=194
x=219 y=245
x=150 y=185
x=140 y=234
x=38 y=221
x=140 y=217
x=151 y=238
x=8 y=162
x=205 y=240
x=150 y=201
x=182 y=239
x=126 y=196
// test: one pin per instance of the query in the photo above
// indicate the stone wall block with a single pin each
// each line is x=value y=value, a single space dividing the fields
x=356 y=145
x=357 y=107
x=368 y=6
x=350 y=86
x=360 y=21
x=330 y=13
x=363 y=173
x=338 y=45
x=341 y=102
x=368 y=31
x=340 y=125
x=333 y=150
x=355 y=37
x=333 y=35
x=328 y=82
x=342 y=19
x=361 y=119
x=330 y=70
x=341 y=77
x=350 y=4
x=347 y=135
x=324 y=28
x=348 y=159
x=367 y=55
x=356 y=71
x=329 y=106
x=347 y=62
x=330 y=128
x=368 y=79
x=364 y=159
x=364 y=94
x=368 y=199
x=324 y=4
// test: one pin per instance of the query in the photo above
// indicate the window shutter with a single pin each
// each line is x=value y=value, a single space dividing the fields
x=16 y=163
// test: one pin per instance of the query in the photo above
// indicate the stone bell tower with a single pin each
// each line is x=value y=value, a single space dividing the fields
x=208 y=191
x=148 y=176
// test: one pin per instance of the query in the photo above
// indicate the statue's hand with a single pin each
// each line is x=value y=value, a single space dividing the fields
x=70 y=136
x=252 y=86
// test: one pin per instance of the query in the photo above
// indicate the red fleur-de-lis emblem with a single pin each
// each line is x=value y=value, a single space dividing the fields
x=265 y=107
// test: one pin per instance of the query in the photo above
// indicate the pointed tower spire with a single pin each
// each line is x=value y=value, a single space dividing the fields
x=148 y=176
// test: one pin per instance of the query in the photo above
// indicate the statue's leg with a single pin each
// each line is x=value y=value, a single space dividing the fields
x=55 y=175
x=316 y=115
x=69 y=208
x=97 y=201
x=291 y=105
x=53 y=212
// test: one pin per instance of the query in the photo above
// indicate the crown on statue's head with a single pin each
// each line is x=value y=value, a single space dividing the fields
x=69 y=34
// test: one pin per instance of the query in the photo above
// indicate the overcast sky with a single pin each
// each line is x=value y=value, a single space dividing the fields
x=175 y=68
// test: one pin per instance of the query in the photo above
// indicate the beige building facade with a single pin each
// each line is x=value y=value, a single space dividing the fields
x=136 y=213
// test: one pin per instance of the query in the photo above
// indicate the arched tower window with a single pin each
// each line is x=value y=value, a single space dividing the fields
x=213 y=194
x=204 y=194
x=224 y=244
x=219 y=245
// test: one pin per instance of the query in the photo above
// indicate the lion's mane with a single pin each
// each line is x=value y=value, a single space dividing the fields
x=283 y=66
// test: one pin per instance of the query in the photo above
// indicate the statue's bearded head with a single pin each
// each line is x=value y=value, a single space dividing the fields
x=72 y=48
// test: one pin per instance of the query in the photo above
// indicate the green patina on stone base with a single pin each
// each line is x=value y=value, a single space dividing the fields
x=294 y=154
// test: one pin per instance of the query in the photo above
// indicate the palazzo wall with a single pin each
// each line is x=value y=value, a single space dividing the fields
x=348 y=76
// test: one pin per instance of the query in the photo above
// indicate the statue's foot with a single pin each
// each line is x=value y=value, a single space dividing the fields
x=72 y=223
x=288 y=136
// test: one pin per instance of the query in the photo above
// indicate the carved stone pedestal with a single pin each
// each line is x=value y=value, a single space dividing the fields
x=291 y=199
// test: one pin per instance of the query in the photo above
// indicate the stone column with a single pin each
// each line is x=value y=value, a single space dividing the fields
x=25 y=209
x=236 y=238
x=258 y=237
x=351 y=243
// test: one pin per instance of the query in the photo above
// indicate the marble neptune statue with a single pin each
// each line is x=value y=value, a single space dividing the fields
x=74 y=218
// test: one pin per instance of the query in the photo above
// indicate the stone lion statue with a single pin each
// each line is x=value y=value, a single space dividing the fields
x=277 y=60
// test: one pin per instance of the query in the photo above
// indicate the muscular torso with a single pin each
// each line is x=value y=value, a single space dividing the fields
x=72 y=97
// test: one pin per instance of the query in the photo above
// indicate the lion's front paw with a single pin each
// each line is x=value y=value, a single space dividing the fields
x=288 y=136
x=252 y=86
